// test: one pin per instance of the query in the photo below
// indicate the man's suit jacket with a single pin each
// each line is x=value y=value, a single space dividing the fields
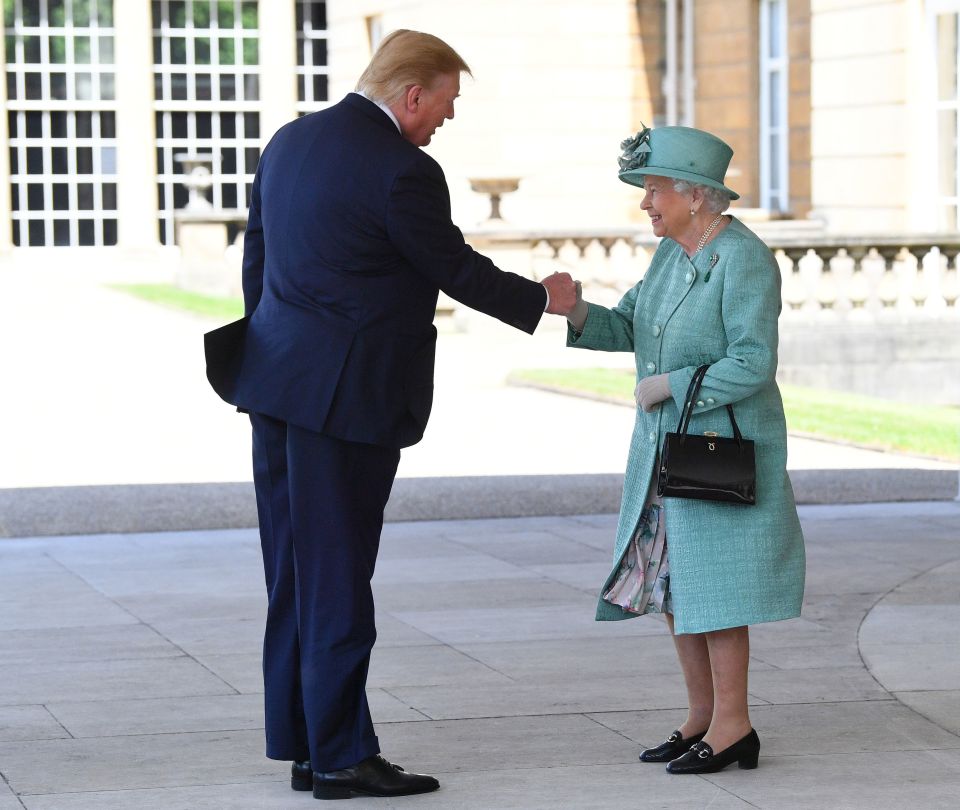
x=348 y=242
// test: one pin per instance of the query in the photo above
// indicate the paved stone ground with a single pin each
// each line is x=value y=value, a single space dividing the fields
x=129 y=671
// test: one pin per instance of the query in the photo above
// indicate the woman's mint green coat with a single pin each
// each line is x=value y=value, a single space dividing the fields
x=730 y=565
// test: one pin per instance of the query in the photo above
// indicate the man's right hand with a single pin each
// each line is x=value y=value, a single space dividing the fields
x=563 y=293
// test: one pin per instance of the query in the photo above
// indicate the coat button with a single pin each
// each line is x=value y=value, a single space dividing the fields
x=651 y=367
x=699 y=403
x=656 y=330
x=653 y=436
x=710 y=400
x=688 y=277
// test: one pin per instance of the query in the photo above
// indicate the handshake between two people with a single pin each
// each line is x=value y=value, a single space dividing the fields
x=566 y=298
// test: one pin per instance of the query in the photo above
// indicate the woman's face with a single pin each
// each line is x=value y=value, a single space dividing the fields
x=669 y=210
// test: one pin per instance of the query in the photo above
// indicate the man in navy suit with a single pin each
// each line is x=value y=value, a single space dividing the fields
x=348 y=243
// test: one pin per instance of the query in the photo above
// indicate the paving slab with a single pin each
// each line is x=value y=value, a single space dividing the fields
x=29 y=722
x=116 y=718
x=139 y=761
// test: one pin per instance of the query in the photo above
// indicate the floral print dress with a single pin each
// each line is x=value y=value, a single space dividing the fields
x=642 y=583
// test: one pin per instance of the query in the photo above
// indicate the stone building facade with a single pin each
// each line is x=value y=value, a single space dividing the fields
x=844 y=112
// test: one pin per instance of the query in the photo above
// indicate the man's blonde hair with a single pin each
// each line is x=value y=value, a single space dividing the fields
x=406 y=58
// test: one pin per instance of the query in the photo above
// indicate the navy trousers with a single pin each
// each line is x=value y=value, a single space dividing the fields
x=320 y=503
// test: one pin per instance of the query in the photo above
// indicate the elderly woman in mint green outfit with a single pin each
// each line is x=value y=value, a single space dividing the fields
x=710 y=296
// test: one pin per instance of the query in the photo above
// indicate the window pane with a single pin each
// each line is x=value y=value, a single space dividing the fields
x=225 y=13
x=36 y=232
x=84 y=160
x=56 y=12
x=201 y=14
x=947 y=157
x=81 y=50
x=109 y=192
x=34 y=160
x=947 y=56
x=178 y=50
x=201 y=47
x=250 y=51
x=58 y=160
x=61 y=196
x=31 y=49
x=85 y=201
x=249 y=14
x=227 y=55
x=178 y=14
x=108 y=125
x=81 y=13
x=58 y=50
x=108 y=160
x=84 y=86
x=32 y=86
x=34 y=196
x=106 y=50
x=61 y=232
x=107 y=87
x=34 y=124
x=105 y=12
x=86 y=231
x=58 y=124
x=84 y=125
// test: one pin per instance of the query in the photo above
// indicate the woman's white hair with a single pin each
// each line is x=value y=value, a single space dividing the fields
x=715 y=200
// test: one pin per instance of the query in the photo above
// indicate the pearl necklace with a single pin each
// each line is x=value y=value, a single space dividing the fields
x=707 y=232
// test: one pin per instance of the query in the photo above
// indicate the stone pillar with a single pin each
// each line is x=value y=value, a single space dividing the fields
x=6 y=224
x=278 y=65
x=138 y=215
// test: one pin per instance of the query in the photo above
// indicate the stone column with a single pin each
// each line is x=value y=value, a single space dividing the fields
x=278 y=65
x=6 y=224
x=138 y=215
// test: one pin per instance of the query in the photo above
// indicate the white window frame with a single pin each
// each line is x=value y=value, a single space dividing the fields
x=247 y=101
x=103 y=150
x=307 y=35
x=774 y=121
x=935 y=9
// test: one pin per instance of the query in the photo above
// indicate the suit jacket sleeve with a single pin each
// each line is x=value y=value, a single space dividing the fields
x=253 y=251
x=419 y=225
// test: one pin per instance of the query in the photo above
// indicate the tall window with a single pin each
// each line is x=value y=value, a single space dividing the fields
x=774 y=87
x=948 y=126
x=312 y=75
x=206 y=89
x=61 y=115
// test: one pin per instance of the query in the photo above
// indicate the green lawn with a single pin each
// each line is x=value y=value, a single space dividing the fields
x=169 y=295
x=927 y=430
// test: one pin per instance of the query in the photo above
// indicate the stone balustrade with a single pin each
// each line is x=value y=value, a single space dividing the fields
x=827 y=278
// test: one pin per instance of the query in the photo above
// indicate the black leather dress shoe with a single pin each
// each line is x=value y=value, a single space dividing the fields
x=673 y=747
x=372 y=777
x=301 y=775
x=701 y=759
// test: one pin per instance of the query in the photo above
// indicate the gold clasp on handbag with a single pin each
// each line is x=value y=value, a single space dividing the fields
x=711 y=433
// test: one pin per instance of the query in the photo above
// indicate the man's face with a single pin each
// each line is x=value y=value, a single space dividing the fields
x=433 y=106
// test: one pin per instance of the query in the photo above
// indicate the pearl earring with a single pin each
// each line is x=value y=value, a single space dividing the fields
x=692 y=212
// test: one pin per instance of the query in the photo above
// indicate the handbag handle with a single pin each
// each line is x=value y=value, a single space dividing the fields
x=692 y=390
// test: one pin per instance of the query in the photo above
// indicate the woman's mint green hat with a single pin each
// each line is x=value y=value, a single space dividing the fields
x=682 y=153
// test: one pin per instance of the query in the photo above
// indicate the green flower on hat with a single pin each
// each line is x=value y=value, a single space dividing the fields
x=635 y=150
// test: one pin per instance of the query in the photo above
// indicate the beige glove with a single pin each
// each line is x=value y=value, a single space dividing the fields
x=651 y=391
x=577 y=316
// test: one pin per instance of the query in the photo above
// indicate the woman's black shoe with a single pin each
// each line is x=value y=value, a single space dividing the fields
x=671 y=749
x=701 y=759
x=301 y=775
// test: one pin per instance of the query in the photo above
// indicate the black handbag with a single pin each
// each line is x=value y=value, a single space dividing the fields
x=708 y=467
